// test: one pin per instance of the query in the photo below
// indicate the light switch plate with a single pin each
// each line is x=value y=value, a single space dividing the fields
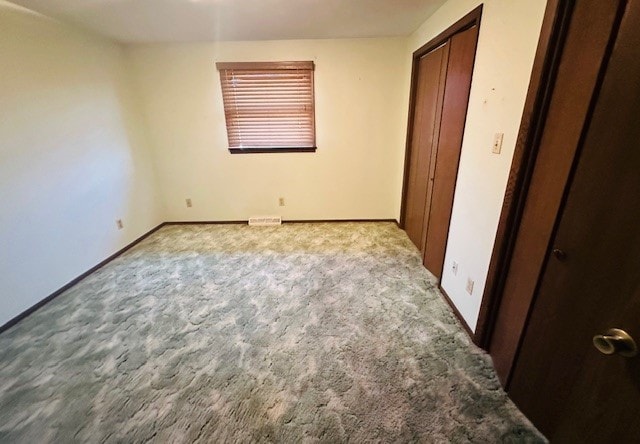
x=470 y=286
x=497 y=143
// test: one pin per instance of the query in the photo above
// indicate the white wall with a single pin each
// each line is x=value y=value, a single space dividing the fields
x=507 y=42
x=361 y=94
x=73 y=157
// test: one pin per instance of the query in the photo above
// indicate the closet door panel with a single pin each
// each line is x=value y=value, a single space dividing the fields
x=454 y=111
x=426 y=118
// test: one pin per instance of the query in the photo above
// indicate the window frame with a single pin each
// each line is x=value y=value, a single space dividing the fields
x=270 y=66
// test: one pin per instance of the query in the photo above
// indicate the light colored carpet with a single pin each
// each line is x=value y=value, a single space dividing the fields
x=229 y=333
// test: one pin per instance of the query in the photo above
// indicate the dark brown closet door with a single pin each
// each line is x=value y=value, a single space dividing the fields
x=577 y=380
x=454 y=112
x=440 y=95
x=426 y=122
x=568 y=111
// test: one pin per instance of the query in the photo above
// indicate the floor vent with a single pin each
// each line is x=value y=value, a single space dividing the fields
x=263 y=221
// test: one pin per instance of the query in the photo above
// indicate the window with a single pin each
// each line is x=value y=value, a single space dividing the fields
x=269 y=107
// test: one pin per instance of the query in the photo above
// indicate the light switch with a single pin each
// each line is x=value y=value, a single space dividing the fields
x=497 y=143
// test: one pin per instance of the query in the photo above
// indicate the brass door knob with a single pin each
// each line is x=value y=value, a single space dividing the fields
x=616 y=341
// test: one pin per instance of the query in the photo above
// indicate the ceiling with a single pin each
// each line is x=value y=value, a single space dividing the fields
x=146 y=21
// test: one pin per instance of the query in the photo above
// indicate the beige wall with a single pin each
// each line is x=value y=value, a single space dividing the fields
x=506 y=47
x=360 y=120
x=73 y=157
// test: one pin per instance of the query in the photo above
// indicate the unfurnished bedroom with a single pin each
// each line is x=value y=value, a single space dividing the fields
x=318 y=221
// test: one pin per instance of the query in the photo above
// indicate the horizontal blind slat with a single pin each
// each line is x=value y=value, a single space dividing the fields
x=266 y=133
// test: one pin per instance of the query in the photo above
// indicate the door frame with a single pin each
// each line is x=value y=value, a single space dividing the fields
x=545 y=65
x=547 y=59
x=466 y=22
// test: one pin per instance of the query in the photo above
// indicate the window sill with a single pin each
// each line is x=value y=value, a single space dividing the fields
x=273 y=150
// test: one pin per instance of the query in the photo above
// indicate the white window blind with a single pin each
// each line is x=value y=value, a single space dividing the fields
x=269 y=106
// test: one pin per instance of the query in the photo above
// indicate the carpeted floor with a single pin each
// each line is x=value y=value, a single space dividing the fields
x=229 y=333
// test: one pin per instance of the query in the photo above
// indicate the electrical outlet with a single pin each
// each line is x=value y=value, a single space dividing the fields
x=189 y=204
x=454 y=268
x=469 y=286
x=497 y=143
x=281 y=201
x=119 y=224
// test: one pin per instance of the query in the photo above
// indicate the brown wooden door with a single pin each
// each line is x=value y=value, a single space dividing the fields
x=571 y=391
x=426 y=124
x=586 y=44
x=443 y=83
x=447 y=156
